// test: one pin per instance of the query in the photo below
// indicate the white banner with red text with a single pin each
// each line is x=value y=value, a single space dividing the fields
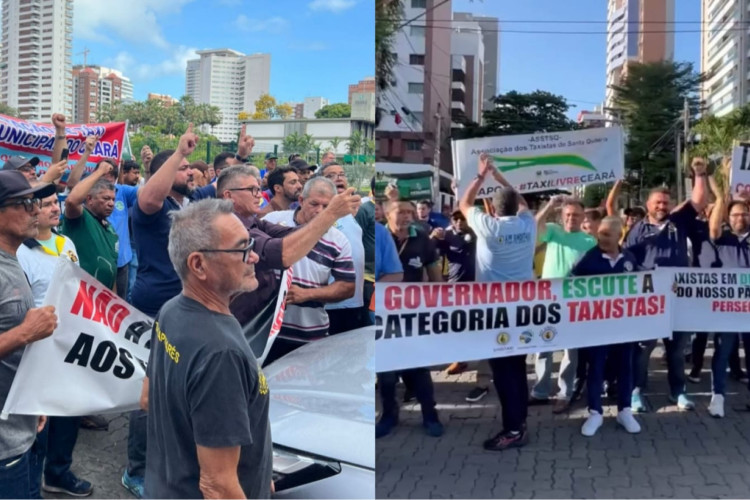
x=426 y=324
x=95 y=360
x=544 y=161
x=711 y=300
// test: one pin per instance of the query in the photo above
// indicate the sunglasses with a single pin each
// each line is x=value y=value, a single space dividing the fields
x=28 y=203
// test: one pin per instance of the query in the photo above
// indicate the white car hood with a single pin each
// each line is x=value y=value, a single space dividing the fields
x=323 y=398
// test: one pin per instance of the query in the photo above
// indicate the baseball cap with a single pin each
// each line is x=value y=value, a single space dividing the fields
x=301 y=164
x=14 y=184
x=16 y=162
x=271 y=156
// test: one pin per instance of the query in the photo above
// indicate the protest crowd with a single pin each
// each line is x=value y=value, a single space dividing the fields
x=506 y=242
x=202 y=250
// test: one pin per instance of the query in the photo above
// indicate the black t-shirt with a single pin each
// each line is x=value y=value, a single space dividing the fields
x=460 y=250
x=732 y=250
x=417 y=252
x=205 y=388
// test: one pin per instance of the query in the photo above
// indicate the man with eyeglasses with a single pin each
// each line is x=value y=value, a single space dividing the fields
x=348 y=314
x=208 y=400
x=278 y=247
x=38 y=257
x=324 y=276
x=20 y=324
x=170 y=187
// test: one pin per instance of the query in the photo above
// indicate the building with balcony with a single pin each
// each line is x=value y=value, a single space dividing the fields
x=96 y=88
x=36 y=57
x=489 y=28
x=724 y=39
x=231 y=81
x=467 y=73
x=637 y=31
x=415 y=110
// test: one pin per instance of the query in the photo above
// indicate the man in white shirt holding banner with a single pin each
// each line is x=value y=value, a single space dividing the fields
x=505 y=252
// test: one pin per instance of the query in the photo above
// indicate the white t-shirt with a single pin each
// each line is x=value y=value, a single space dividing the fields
x=353 y=232
x=505 y=245
x=330 y=259
x=39 y=263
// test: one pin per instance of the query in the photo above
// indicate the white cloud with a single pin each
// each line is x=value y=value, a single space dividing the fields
x=132 y=20
x=174 y=65
x=270 y=25
x=332 y=5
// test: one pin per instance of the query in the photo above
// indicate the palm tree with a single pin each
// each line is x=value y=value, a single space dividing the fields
x=354 y=145
x=335 y=144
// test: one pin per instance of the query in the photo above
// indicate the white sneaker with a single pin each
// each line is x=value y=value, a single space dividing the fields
x=626 y=419
x=592 y=424
x=716 y=407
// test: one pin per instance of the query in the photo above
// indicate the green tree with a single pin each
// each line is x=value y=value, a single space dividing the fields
x=284 y=110
x=335 y=144
x=293 y=143
x=8 y=111
x=337 y=110
x=649 y=101
x=354 y=145
x=518 y=113
x=264 y=107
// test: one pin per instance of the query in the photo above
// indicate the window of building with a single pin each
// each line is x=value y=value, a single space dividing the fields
x=416 y=59
x=416 y=31
x=416 y=88
x=418 y=4
x=413 y=145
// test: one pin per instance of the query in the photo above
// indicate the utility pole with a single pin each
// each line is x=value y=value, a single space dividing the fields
x=436 y=156
x=682 y=168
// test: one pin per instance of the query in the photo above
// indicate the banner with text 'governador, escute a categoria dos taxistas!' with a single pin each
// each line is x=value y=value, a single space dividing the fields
x=23 y=138
x=545 y=161
x=425 y=324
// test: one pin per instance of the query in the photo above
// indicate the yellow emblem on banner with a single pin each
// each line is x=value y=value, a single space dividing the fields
x=503 y=338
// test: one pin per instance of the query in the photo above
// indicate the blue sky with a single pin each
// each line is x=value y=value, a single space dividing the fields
x=570 y=65
x=317 y=47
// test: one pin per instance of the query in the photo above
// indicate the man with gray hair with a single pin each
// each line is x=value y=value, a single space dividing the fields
x=278 y=247
x=324 y=276
x=202 y=370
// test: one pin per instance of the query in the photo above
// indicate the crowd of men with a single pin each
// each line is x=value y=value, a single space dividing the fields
x=201 y=249
x=506 y=242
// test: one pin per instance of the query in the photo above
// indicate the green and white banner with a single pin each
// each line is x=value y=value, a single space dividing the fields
x=545 y=161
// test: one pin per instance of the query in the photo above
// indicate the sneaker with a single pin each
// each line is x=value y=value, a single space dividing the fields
x=626 y=419
x=504 y=440
x=68 y=484
x=385 y=425
x=694 y=377
x=433 y=427
x=477 y=394
x=409 y=396
x=134 y=484
x=637 y=402
x=716 y=407
x=683 y=402
x=592 y=424
x=95 y=423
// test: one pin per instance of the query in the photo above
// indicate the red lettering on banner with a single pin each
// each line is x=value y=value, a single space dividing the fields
x=431 y=296
x=603 y=309
x=462 y=295
x=411 y=297
x=447 y=295
x=115 y=316
x=84 y=299
x=479 y=294
x=392 y=298
x=543 y=290
x=730 y=306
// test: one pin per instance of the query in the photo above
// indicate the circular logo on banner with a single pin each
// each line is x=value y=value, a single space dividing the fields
x=119 y=205
x=503 y=338
x=628 y=266
x=548 y=333
x=499 y=239
x=526 y=337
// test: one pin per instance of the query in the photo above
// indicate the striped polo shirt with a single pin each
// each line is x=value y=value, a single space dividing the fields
x=331 y=257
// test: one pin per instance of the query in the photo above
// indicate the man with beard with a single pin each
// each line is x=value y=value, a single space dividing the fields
x=351 y=313
x=304 y=170
x=662 y=240
x=284 y=183
x=278 y=247
x=170 y=187
x=87 y=226
x=131 y=173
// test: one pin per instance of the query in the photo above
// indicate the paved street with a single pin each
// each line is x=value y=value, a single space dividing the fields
x=677 y=455
x=101 y=457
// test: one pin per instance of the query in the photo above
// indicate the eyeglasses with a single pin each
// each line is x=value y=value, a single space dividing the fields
x=332 y=177
x=254 y=190
x=244 y=251
x=28 y=203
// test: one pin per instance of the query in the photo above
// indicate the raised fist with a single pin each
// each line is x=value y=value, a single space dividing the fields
x=58 y=121
x=699 y=166
x=39 y=323
x=90 y=143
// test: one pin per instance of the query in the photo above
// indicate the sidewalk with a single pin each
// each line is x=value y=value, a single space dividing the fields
x=677 y=454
